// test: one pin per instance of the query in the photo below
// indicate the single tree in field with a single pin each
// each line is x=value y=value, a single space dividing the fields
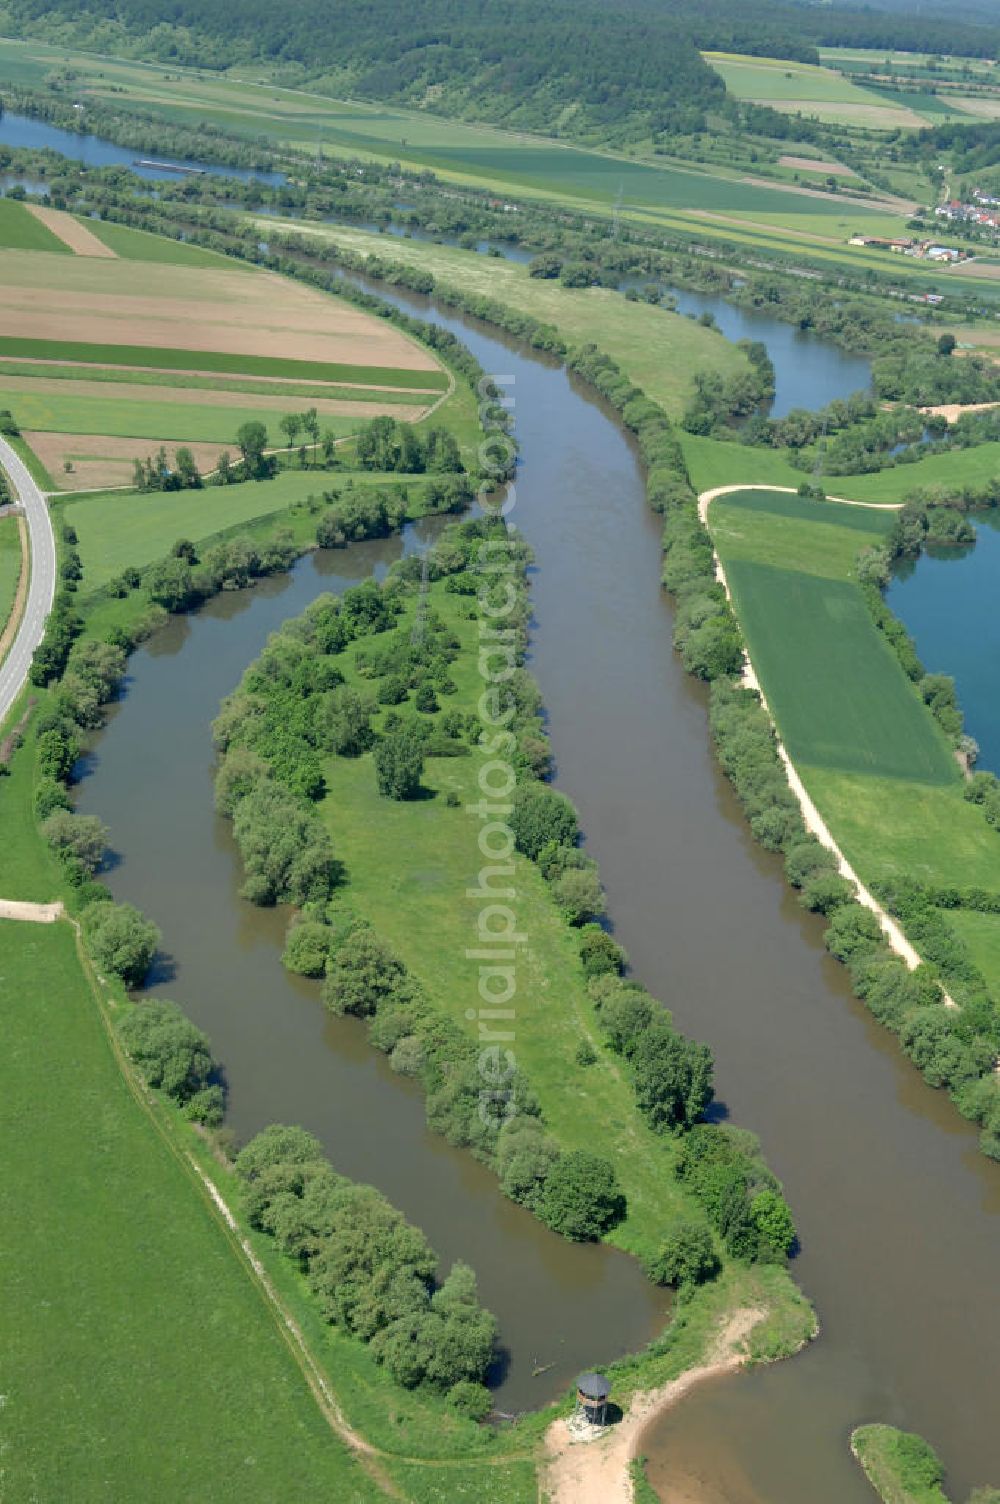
x=186 y=470
x=252 y=440
x=290 y=425
x=310 y=422
x=329 y=447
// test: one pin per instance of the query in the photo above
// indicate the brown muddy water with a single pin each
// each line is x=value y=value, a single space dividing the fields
x=898 y=1214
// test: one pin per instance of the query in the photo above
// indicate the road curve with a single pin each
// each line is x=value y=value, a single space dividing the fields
x=41 y=588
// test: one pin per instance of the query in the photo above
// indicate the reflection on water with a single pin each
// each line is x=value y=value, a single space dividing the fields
x=948 y=602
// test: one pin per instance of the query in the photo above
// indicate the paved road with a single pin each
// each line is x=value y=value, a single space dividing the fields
x=14 y=669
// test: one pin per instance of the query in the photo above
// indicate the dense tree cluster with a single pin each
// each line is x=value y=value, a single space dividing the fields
x=386 y=444
x=175 y=1057
x=371 y=1271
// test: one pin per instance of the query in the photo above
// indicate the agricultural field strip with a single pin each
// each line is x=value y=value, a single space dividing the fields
x=191 y=380
x=237 y=323
x=96 y=407
x=210 y=360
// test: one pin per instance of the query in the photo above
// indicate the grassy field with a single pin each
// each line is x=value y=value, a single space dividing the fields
x=128 y=418
x=981 y=933
x=896 y=1465
x=139 y=1360
x=21 y=231
x=892 y=827
x=873 y=759
x=813 y=537
x=836 y=689
x=659 y=350
x=957 y=467
x=822 y=92
x=10 y=566
x=117 y=529
x=714 y=462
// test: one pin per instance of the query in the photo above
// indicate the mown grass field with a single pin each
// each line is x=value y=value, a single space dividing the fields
x=894 y=827
x=659 y=350
x=714 y=462
x=21 y=231
x=10 y=566
x=138 y=1358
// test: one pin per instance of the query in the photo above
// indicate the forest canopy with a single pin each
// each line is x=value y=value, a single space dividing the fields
x=562 y=66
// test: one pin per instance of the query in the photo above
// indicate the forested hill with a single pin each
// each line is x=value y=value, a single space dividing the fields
x=565 y=66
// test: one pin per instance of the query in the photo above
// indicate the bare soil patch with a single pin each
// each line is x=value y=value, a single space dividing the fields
x=112 y=391
x=810 y=164
x=71 y=232
x=985 y=105
x=596 y=1472
x=952 y=411
x=988 y=269
x=100 y=461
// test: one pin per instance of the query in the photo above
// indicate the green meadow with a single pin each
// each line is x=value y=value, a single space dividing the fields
x=21 y=231
x=221 y=361
x=10 y=566
x=954 y=468
x=129 y=529
x=139 y=1359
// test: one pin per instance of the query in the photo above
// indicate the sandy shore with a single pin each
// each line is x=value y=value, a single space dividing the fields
x=597 y=1472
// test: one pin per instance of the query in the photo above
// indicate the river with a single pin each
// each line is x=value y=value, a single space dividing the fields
x=899 y=1216
x=96 y=151
x=948 y=601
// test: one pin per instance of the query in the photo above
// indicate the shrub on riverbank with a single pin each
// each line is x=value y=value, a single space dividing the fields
x=175 y=1057
x=120 y=940
x=371 y=1272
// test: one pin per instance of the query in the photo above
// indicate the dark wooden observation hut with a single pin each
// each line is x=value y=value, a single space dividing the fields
x=592 y=1391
